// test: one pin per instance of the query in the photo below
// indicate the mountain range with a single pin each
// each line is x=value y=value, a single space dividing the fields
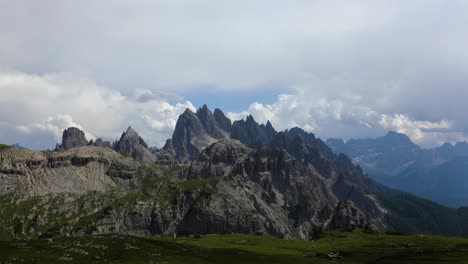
x=212 y=176
x=439 y=174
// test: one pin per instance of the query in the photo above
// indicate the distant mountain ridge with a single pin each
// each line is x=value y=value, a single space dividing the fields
x=394 y=160
x=196 y=131
x=212 y=176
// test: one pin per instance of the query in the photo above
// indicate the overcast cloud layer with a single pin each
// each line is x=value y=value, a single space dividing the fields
x=337 y=68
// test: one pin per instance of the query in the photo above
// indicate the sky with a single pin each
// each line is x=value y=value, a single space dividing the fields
x=349 y=69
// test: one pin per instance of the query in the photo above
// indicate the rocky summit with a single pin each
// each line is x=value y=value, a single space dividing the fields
x=211 y=177
x=73 y=137
x=131 y=144
x=252 y=133
x=196 y=131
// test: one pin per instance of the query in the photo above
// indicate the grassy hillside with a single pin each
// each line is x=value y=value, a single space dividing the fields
x=3 y=146
x=412 y=215
x=335 y=247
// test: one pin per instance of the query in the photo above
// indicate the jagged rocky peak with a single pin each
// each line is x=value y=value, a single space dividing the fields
x=393 y=137
x=249 y=132
x=297 y=131
x=280 y=141
x=196 y=131
x=310 y=138
x=188 y=122
x=168 y=147
x=225 y=150
x=101 y=143
x=223 y=122
x=270 y=131
x=131 y=144
x=132 y=135
x=210 y=123
x=73 y=137
x=189 y=137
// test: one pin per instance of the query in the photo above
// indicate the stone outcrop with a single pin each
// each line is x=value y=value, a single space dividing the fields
x=131 y=144
x=252 y=134
x=348 y=216
x=76 y=170
x=100 y=143
x=223 y=122
x=73 y=137
x=196 y=131
x=228 y=188
x=211 y=125
x=346 y=180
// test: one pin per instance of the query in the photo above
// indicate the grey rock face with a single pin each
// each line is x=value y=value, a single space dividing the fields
x=76 y=170
x=218 y=159
x=223 y=122
x=308 y=197
x=210 y=123
x=101 y=143
x=196 y=131
x=131 y=144
x=228 y=188
x=251 y=133
x=346 y=180
x=73 y=137
x=169 y=147
x=348 y=216
x=189 y=137
x=290 y=200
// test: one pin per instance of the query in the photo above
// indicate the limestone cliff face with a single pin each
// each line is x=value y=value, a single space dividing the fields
x=223 y=122
x=251 y=133
x=100 y=143
x=196 y=131
x=346 y=179
x=131 y=144
x=292 y=192
x=229 y=188
x=76 y=170
x=216 y=126
x=73 y=137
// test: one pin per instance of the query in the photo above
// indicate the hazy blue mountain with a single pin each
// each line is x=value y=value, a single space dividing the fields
x=439 y=174
x=18 y=146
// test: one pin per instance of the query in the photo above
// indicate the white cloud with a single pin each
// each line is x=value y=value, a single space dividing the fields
x=343 y=63
x=346 y=118
x=43 y=106
x=426 y=133
x=35 y=109
x=53 y=125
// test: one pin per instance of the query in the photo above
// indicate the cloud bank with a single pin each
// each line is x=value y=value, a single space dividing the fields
x=339 y=68
x=349 y=118
x=35 y=109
